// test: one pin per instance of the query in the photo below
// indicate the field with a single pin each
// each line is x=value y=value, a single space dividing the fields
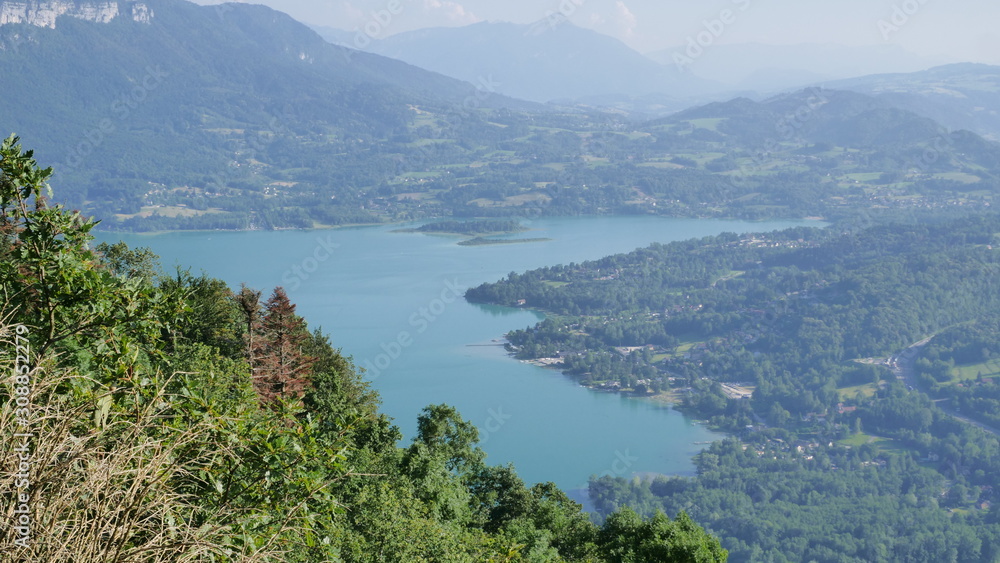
x=885 y=445
x=168 y=211
x=986 y=369
x=963 y=177
x=710 y=123
x=867 y=390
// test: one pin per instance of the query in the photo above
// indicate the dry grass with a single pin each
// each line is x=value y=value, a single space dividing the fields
x=104 y=489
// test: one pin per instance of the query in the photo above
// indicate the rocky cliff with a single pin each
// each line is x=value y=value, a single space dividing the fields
x=43 y=13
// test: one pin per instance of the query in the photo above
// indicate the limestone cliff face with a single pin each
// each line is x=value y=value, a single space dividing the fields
x=43 y=13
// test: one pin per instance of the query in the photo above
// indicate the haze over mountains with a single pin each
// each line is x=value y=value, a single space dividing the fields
x=565 y=63
x=540 y=62
x=767 y=68
x=960 y=96
x=237 y=116
x=826 y=118
x=547 y=61
x=833 y=354
x=187 y=92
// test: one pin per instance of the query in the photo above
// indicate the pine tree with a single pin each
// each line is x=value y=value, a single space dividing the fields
x=248 y=301
x=281 y=368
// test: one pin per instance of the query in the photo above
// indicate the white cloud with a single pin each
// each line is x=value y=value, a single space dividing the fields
x=453 y=11
x=352 y=11
x=627 y=21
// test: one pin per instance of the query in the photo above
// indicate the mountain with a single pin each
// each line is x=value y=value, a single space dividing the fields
x=817 y=152
x=818 y=116
x=540 y=62
x=771 y=68
x=960 y=96
x=237 y=117
x=826 y=118
x=129 y=98
x=336 y=36
x=206 y=449
x=45 y=14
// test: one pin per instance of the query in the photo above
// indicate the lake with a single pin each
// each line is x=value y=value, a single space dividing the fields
x=393 y=302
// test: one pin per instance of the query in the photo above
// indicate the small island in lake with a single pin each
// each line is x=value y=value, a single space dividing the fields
x=482 y=241
x=477 y=228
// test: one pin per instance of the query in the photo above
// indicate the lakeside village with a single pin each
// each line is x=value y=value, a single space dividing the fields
x=809 y=447
x=664 y=385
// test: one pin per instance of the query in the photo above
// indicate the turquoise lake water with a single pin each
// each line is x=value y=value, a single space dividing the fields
x=392 y=301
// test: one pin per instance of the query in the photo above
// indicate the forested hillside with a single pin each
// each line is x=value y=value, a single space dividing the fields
x=162 y=416
x=238 y=117
x=804 y=344
x=960 y=96
x=203 y=107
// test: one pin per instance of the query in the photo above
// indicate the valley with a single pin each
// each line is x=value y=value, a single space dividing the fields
x=471 y=281
x=155 y=136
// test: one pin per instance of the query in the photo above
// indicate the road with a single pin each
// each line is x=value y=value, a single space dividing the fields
x=903 y=365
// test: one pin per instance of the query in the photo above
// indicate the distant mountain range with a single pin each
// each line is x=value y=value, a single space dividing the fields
x=571 y=65
x=541 y=62
x=186 y=91
x=770 y=68
x=960 y=96
x=838 y=118
x=162 y=114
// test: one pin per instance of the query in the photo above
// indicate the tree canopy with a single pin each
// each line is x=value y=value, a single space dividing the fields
x=171 y=418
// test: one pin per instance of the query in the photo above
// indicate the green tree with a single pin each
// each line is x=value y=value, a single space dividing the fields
x=171 y=409
x=53 y=282
x=626 y=538
x=213 y=316
x=131 y=263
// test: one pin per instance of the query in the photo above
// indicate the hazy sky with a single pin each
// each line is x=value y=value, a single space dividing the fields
x=950 y=30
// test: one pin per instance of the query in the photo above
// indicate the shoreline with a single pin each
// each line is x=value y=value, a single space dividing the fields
x=480 y=241
x=182 y=231
x=403 y=222
x=667 y=399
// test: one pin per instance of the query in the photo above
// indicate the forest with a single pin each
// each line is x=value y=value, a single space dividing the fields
x=504 y=164
x=795 y=342
x=163 y=416
x=962 y=366
x=230 y=131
